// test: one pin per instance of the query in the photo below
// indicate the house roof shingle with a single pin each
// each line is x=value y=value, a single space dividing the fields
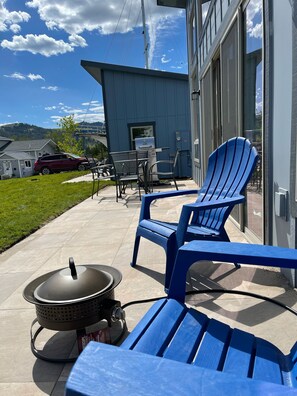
x=16 y=156
x=28 y=145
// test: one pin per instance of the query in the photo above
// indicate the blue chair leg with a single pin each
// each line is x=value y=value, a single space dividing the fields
x=225 y=238
x=171 y=252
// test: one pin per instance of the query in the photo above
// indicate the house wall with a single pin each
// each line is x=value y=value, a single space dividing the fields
x=279 y=117
x=283 y=227
x=15 y=168
x=136 y=98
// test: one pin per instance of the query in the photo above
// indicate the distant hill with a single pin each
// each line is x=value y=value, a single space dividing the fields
x=21 y=131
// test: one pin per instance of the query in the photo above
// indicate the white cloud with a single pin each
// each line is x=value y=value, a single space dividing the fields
x=94 y=114
x=92 y=102
x=11 y=20
x=15 y=28
x=256 y=31
x=20 y=76
x=164 y=60
x=37 y=44
x=90 y=117
x=34 y=77
x=77 y=41
x=50 y=88
x=254 y=7
x=16 y=76
x=73 y=111
x=97 y=109
x=76 y=17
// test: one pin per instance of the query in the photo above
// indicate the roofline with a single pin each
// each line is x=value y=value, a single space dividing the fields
x=31 y=149
x=5 y=138
x=95 y=69
x=172 y=3
x=48 y=141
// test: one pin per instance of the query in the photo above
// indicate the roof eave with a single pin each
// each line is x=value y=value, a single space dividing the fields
x=96 y=69
x=172 y=3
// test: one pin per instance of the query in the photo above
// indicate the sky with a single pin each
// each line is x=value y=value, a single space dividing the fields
x=42 y=43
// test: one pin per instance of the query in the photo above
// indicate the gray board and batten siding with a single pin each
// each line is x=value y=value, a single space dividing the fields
x=135 y=96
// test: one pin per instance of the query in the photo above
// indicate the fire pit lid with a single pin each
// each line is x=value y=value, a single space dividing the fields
x=73 y=284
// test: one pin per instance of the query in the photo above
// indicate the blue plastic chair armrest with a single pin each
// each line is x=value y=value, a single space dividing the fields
x=108 y=370
x=147 y=199
x=242 y=253
x=219 y=203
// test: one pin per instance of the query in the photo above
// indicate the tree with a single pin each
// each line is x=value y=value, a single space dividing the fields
x=65 y=137
x=96 y=150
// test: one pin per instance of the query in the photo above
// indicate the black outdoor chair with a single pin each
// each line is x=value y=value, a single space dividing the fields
x=130 y=167
x=164 y=170
x=100 y=172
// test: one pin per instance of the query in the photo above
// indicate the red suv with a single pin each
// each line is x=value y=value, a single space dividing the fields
x=60 y=162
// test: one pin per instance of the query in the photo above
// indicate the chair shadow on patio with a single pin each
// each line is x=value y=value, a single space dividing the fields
x=159 y=277
x=208 y=275
x=246 y=310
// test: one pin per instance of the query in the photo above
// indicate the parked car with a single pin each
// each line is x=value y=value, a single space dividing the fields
x=60 y=162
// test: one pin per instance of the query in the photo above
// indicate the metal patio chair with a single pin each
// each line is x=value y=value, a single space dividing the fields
x=130 y=167
x=229 y=169
x=158 y=169
x=100 y=172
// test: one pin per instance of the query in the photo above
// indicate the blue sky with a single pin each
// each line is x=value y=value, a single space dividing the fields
x=43 y=41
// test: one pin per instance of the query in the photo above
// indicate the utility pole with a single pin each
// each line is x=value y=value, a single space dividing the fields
x=144 y=35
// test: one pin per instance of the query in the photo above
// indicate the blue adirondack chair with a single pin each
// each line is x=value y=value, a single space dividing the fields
x=177 y=350
x=229 y=169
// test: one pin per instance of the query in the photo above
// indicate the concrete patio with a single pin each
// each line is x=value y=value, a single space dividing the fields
x=101 y=231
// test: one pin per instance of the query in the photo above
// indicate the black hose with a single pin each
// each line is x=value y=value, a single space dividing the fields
x=221 y=291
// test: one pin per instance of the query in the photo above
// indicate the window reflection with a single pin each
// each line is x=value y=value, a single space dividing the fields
x=252 y=114
x=205 y=7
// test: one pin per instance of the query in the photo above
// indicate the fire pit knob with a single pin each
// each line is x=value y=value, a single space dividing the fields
x=118 y=314
x=72 y=268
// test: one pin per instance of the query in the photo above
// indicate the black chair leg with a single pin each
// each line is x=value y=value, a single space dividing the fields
x=175 y=183
x=135 y=251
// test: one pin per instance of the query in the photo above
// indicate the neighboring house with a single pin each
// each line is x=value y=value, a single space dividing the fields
x=17 y=157
x=4 y=142
x=142 y=103
x=13 y=164
x=242 y=57
x=36 y=148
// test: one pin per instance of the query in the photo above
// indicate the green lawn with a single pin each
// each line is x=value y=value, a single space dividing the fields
x=28 y=203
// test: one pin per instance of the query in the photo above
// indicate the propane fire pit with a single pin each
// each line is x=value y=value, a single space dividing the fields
x=73 y=298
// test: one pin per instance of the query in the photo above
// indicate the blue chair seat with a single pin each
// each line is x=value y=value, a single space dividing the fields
x=178 y=350
x=171 y=330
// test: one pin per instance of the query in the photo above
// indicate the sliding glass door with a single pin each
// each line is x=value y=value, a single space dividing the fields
x=252 y=109
x=229 y=95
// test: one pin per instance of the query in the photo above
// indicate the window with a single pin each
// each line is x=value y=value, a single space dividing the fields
x=195 y=104
x=28 y=164
x=144 y=131
x=193 y=35
x=204 y=9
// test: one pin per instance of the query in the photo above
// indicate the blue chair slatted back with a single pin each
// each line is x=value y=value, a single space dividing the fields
x=229 y=170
